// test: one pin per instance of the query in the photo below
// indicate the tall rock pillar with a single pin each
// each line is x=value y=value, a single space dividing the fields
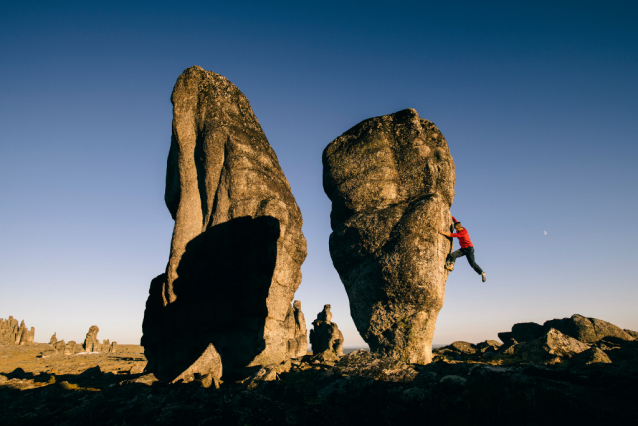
x=237 y=245
x=391 y=183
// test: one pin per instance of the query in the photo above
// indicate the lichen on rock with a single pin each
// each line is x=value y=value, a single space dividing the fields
x=391 y=183
x=237 y=245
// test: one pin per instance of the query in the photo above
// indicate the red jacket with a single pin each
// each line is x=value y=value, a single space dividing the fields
x=463 y=236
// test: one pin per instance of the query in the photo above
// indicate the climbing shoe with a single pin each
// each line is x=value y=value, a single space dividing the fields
x=449 y=266
x=484 y=276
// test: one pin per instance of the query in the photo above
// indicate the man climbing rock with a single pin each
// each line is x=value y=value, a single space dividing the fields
x=467 y=249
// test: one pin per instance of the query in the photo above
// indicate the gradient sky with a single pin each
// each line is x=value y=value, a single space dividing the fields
x=538 y=101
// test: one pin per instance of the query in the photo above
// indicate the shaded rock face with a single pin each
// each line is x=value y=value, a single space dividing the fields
x=237 y=245
x=391 y=183
x=297 y=333
x=325 y=335
x=14 y=333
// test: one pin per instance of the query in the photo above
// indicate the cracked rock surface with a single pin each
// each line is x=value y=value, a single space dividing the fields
x=391 y=183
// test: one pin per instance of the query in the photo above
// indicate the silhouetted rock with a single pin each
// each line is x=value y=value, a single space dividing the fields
x=391 y=183
x=586 y=329
x=325 y=335
x=53 y=340
x=298 y=336
x=237 y=245
x=523 y=332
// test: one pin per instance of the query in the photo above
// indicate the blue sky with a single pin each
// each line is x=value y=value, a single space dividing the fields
x=538 y=102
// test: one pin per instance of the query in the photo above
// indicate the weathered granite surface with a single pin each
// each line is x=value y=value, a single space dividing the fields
x=237 y=245
x=325 y=335
x=577 y=326
x=391 y=183
x=298 y=336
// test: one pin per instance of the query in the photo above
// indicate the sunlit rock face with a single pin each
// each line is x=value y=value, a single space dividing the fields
x=391 y=183
x=237 y=245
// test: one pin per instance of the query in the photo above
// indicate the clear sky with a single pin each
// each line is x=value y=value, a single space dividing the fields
x=538 y=101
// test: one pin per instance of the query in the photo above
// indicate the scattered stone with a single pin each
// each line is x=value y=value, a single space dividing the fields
x=237 y=245
x=461 y=347
x=391 y=183
x=523 y=332
x=49 y=352
x=548 y=347
x=376 y=366
x=209 y=362
x=591 y=356
x=587 y=330
x=488 y=346
x=325 y=335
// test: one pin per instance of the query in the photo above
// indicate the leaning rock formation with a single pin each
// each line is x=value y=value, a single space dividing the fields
x=237 y=245
x=297 y=334
x=54 y=339
x=391 y=183
x=12 y=333
x=325 y=335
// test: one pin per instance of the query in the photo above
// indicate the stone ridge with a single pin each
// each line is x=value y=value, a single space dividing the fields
x=391 y=182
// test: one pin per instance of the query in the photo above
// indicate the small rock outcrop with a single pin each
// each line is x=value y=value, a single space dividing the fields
x=325 y=335
x=54 y=339
x=237 y=246
x=391 y=183
x=298 y=336
x=588 y=330
x=91 y=343
x=552 y=346
x=14 y=333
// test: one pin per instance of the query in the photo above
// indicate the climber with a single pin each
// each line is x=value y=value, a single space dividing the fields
x=467 y=249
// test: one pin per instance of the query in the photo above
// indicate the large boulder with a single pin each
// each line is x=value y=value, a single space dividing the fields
x=237 y=245
x=587 y=329
x=522 y=332
x=551 y=346
x=391 y=183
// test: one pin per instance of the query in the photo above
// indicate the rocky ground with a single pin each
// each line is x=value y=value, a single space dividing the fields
x=466 y=384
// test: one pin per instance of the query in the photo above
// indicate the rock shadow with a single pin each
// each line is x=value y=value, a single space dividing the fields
x=224 y=280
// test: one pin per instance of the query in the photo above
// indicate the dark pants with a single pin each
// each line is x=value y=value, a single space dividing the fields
x=469 y=253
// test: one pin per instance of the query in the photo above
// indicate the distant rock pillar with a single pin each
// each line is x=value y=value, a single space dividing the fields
x=325 y=335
